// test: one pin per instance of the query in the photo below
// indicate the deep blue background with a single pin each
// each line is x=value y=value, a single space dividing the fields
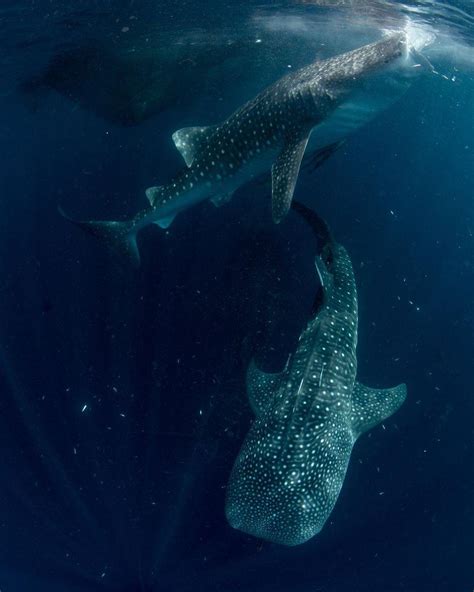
x=130 y=492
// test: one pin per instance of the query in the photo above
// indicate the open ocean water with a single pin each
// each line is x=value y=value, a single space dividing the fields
x=122 y=391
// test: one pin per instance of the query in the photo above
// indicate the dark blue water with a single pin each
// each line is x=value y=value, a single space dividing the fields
x=123 y=402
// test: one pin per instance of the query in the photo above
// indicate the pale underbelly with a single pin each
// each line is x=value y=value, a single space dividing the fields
x=362 y=106
x=217 y=190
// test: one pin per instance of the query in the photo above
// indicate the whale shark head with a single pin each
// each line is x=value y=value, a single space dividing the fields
x=349 y=90
x=335 y=77
x=373 y=57
x=288 y=501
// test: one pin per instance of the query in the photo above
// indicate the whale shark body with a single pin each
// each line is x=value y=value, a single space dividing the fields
x=330 y=98
x=291 y=467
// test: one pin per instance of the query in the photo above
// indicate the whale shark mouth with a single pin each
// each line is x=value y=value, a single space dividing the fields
x=375 y=96
x=379 y=91
x=417 y=36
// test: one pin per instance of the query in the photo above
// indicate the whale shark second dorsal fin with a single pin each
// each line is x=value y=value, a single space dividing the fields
x=261 y=386
x=189 y=140
x=371 y=406
x=285 y=174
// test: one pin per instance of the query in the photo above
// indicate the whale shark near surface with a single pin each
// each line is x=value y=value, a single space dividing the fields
x=132 y=83
x=291 y=467
x=326 y=100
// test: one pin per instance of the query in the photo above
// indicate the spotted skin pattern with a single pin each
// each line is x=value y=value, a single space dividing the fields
x=269 y=133
x=272 y=129
x=291 y=467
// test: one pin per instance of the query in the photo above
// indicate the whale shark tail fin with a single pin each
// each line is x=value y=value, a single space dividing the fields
x=120 y=237
x=324 y=237
x=317 y=224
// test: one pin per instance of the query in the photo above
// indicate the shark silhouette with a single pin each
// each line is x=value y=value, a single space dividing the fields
x=270 y=132
x=291 y=467
x=128 y=85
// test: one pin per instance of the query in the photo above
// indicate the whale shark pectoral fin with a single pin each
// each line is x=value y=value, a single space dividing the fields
x=261 y=386
x=221 y=199
x=314 y=160
x=165 y=222
x=189 y=140
x=371 y=406
x=285 y=174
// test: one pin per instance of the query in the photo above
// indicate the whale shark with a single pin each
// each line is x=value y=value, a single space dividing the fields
x=291 y=467
x=330 y=98
x=130 y=84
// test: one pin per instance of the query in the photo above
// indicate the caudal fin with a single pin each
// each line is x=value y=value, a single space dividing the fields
x=317 y=224
x=120 y=237
x=323 y=235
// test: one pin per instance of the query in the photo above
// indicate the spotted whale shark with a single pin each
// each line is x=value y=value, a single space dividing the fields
x=291 y=467
x=317 y=104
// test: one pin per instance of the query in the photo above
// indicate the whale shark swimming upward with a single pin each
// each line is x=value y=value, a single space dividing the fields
x=271 y=132
x=291 y=467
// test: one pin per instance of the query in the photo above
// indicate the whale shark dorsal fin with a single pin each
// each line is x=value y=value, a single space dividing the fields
x=371 y=406
x=189 y=140
x=285 y=174
x=261 y=386
x=154 y=195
